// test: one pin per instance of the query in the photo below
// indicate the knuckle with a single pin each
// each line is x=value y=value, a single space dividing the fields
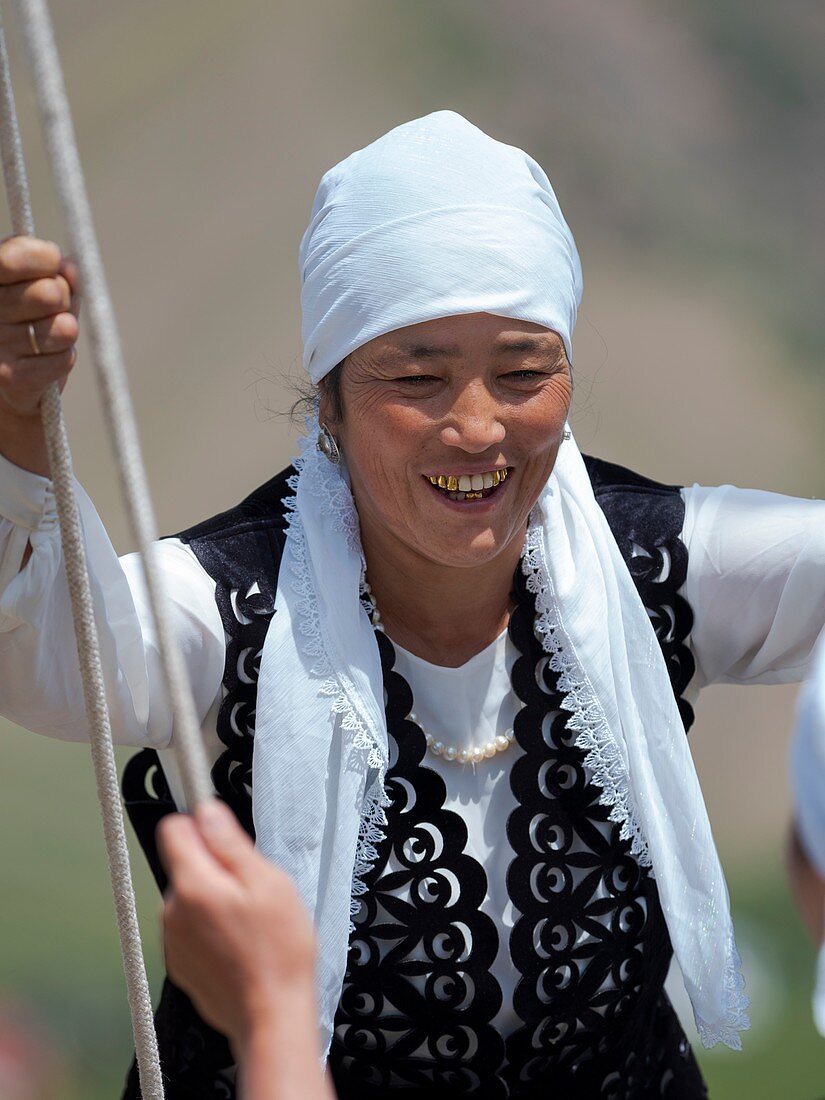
x=189 y=894
x=171 y=913
x=51 y=293
x=53 y=251
x=34 y=299
x=64 y=289
x=15 y=249
x=22 y=253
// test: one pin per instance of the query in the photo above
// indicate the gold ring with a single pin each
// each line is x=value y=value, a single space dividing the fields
x=36 y=349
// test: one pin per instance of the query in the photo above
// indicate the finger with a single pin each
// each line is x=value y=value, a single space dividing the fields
x=34 y=373
x=185 y=857
x=23 y=258
x=178 y=841
x=71 y=273
x=30 y=301
x=56 y=333
x=224 y=836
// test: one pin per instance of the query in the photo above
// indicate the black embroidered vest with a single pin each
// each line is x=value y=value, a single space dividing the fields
x=589 y=942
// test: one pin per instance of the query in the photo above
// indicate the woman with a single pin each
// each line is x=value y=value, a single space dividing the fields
x=464 y=658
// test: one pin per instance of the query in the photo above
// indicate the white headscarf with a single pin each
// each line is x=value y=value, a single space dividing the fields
x=436 y=219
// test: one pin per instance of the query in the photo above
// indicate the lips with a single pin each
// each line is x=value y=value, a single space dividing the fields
x=468 y=486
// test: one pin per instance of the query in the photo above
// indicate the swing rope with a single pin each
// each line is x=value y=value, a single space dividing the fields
x=41 y=50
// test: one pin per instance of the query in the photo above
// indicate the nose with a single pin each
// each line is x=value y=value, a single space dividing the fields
x=474 y=422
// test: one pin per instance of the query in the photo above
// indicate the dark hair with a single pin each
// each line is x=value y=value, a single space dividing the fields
x=309 y=395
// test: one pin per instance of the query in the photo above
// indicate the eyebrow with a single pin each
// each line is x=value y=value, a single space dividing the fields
x=429 y=351
x=527 y=342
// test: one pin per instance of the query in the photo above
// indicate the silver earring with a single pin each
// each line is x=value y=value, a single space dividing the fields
x=327 y=445
x=567 y=433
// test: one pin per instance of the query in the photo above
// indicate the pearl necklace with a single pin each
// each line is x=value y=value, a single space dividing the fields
x=472 y=755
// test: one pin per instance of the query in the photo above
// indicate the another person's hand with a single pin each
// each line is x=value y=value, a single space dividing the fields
x=239 y=942
x=236 y=936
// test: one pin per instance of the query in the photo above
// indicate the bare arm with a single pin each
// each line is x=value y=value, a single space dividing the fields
x=279 y=1060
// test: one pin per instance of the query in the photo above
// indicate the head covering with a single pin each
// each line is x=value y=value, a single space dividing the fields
x=436 y=219
x=436 y=192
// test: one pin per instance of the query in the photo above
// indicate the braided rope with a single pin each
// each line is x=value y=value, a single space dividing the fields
x=107 y=354
x=88 y=648
x=108 y=358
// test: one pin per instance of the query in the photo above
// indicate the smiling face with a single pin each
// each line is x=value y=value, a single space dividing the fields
x=450 y=430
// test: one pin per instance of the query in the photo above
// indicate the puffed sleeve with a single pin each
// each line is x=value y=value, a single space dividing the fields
x=40 y=685
x=755 y=583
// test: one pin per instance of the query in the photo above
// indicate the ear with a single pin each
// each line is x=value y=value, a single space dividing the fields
x=326 y=406
x=329 y=394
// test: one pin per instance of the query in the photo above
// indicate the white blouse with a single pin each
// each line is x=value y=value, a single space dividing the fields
x=756 y=584
x=467 y=706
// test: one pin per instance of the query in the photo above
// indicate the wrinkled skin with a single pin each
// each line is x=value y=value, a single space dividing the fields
x=463 y=394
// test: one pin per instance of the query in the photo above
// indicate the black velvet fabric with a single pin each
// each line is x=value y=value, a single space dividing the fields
x=626 y=1041
x=590 y=943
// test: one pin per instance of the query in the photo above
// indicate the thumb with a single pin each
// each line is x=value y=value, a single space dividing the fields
x=223 y=835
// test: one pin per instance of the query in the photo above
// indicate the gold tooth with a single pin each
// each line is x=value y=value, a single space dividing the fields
x=496 y=478
x=452 y=484
x=442 y=481
x=504 y=475
x=433 y=480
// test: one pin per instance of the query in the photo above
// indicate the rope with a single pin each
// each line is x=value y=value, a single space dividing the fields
x=108 y=358
x=107 y=354
x=88 y=648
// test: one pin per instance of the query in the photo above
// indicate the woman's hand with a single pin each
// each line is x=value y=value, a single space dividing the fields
x=239 y=942
x=38 y=331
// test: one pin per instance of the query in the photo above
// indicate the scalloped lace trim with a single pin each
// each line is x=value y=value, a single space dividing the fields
x=736 y=1008
x=608 y=769
x=325 y=482
x=587 y=717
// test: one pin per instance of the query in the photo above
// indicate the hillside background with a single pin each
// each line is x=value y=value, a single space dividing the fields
x=685 y=142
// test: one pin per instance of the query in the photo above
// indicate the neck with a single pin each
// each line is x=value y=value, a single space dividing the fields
x=443 y=614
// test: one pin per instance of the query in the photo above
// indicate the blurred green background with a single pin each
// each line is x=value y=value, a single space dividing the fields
x=684 y=140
